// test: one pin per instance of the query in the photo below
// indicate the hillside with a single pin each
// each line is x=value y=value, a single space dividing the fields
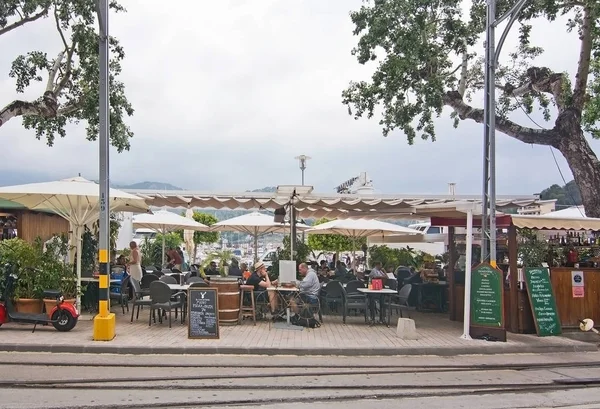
x=268 y=189
x=149 y=186
x=568 y=195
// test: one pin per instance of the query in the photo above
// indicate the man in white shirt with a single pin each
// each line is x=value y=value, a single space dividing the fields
x=309 y=286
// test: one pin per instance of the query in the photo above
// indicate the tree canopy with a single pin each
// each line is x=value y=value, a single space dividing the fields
x=68 y=78
x=429 y=59
x=333 y=242
x=567 y=195
x=203 y=236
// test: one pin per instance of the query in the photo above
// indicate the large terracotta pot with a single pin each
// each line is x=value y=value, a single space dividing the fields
x=49 y=304
x=29 y=305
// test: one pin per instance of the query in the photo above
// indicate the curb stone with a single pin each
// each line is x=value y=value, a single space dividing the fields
x=490 y=349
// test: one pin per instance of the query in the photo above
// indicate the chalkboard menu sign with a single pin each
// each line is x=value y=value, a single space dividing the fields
x=487 y=309
x=203 y=307
x=543 y=304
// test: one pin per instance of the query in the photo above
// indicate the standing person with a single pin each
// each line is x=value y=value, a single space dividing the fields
x=135 y=261
x=175 y=258
x=182 y=265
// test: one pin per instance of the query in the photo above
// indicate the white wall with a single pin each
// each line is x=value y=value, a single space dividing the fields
x=126 y=231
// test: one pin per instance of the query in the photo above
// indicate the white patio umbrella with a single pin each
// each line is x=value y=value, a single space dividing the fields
x=255 y=224
x=358 y=228
x=164 y=222
x=75 y=199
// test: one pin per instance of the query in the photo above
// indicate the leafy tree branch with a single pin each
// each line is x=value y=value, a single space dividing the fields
x=417 y=46
x=71 y=93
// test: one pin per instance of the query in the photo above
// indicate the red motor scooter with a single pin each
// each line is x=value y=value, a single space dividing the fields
x=63 y=316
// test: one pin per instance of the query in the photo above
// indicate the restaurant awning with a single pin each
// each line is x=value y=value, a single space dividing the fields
x=315 y=205
x=548 y=222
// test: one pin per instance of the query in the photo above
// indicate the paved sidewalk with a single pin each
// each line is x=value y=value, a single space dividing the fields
x=437 y=336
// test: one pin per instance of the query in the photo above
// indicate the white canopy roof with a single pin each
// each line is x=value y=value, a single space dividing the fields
x=319 y=205
x=569 y=212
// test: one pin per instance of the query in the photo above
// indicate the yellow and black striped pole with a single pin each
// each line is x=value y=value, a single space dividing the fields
x=104 y=322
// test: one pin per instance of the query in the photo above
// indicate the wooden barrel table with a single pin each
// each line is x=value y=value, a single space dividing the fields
x=229 y=299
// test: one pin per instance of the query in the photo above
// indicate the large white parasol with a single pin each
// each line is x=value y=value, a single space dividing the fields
x=358 y=228
x=255 y=224
x=75 y=199
x=164 y=222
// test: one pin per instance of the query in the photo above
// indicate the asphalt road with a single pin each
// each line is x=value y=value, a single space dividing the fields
x=161 y=381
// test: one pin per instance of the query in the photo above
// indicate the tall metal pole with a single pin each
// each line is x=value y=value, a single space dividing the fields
x=488 y=225
x=104 y=322
x=488 y=217
x=292 y=228
x=302 y=159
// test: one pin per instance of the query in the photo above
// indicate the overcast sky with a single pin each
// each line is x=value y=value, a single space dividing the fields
x=228 y=92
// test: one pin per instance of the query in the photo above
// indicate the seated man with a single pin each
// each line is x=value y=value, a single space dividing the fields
x=212 y=270
x=309 y=287
x=340 y=270
x=260 y=280
x=377 y=272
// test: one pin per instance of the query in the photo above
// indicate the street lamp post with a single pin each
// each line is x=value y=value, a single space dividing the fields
x=302 y=160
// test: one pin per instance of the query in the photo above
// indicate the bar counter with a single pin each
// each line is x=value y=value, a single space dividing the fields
x=571 y=309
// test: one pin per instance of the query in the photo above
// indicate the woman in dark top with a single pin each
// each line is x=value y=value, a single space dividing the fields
x=234 y=269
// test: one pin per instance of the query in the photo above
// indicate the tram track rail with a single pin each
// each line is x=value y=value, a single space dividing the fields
x=379 y=394
x=176 y=385
x=104 y=382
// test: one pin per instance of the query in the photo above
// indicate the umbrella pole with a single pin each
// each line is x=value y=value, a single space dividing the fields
x=78 y=245
x=163 y=251
x=255 y=247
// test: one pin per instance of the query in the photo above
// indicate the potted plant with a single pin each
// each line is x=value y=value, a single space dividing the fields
x=27 y=292
x=55 y=273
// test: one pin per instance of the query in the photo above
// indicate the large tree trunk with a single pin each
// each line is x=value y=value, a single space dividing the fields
x=582 y=160
x=566 y=136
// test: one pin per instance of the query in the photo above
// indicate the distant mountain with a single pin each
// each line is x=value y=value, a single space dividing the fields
x=268 y=189
x=149 y=186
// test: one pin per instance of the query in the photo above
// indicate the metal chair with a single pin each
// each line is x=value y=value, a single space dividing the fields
x=352 y=287
x=400 y=301
x=122 y=296
x=138 y=298
x=145 y=283
x=334 y=296
x=168 y=280
x=163 y=299
x=358 y=302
